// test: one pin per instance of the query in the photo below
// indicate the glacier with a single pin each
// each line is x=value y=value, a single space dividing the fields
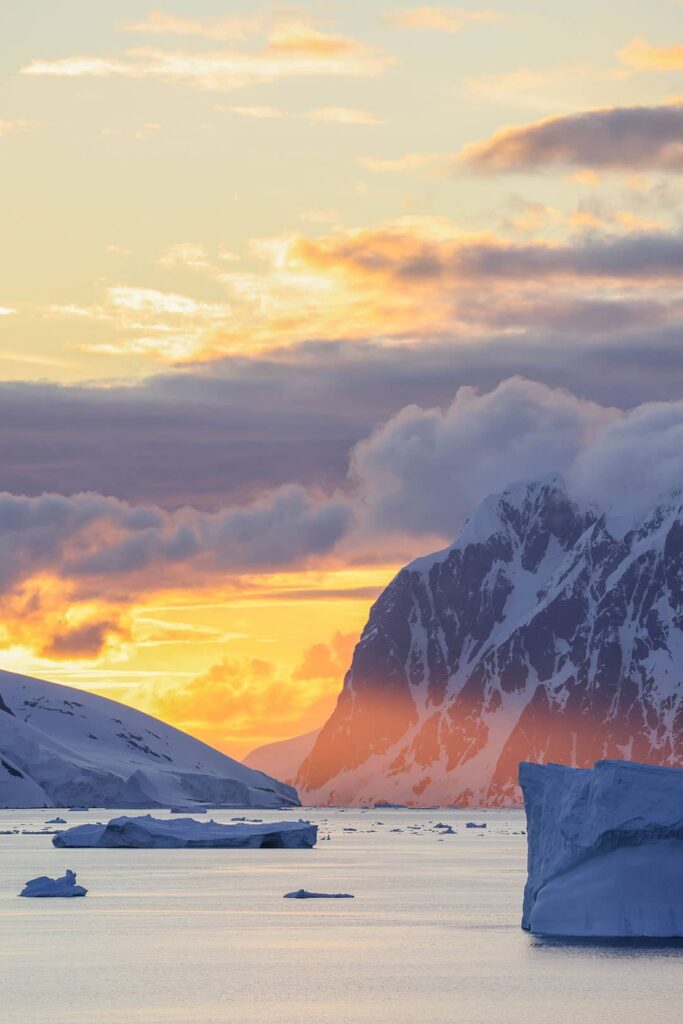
x=45 y=886
x=63 y=747
x=148 y=833
x=605 y=850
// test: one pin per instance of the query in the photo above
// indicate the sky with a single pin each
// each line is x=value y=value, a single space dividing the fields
x=286 y=290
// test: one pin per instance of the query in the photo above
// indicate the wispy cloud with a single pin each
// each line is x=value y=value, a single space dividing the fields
x=7 y=310
x=11 y=127
x=408 y=163
x=148 y=300
x=343 y=115
x=639 y=55
x=441 y=19
x=320 y=115
x=261 y=113
x=160 y=23
x=293 y=50
x=146 y=321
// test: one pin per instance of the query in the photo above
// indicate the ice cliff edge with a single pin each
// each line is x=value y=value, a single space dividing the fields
x=605 y=850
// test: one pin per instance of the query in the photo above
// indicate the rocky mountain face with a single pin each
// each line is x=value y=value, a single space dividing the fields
x=548 y=632
x=60 y=746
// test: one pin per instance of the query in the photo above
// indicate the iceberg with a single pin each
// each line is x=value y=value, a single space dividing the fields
x=148 y=833
x=605 y=850
x=304 y=894
x=44 y=886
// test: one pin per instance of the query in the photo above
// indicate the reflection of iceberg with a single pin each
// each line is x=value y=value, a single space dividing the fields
x=44 y=886
x=146 y=832
x=605 y=850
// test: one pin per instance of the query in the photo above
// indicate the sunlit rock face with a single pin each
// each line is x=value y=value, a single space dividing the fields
x=605 y=850
x=547 y=632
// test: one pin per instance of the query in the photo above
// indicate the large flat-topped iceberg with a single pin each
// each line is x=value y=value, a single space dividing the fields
x=605 y=854
x=148 y=833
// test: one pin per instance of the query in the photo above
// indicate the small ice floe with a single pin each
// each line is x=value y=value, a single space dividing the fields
x=446 y=830
x=148 y=833
x=44 y=886
x=473 y=824
x=188 y=809
x=56 y=821
x=304 y=894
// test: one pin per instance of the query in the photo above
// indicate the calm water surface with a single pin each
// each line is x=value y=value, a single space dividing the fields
x=204 y=937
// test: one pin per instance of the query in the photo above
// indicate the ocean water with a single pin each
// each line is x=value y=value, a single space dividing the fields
x=204 y=937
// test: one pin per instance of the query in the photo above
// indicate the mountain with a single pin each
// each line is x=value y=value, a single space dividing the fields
x=547 y=632
x=60 y=746
x=282 y=758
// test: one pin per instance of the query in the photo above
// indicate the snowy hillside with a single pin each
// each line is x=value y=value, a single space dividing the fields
x=60 y=747
x=548 y=632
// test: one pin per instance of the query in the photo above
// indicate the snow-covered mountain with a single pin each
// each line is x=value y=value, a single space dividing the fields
x=60 y=746
x=548 y=632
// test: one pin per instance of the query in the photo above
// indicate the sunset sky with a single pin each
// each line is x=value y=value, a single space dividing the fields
x=287 y=290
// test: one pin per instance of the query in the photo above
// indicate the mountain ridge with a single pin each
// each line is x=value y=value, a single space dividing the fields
x=547 y=631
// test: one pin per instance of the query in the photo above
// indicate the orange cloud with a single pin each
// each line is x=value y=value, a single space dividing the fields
x=327 y=661
x=639 y=55
x=242 y=703
x=298 y=38
x=441 y=19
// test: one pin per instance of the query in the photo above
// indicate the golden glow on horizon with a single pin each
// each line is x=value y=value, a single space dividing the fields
x=273 y=639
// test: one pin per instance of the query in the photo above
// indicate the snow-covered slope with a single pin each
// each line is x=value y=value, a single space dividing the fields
x=547 y=632
x=605 y=850
x=282 y=758
x=60 y=746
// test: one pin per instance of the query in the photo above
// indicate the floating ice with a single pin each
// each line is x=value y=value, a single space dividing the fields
x=473 y=824
x=56 y=821
x=44 y=886
x=146 y=832
x=304 y=894
x=605 y=850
